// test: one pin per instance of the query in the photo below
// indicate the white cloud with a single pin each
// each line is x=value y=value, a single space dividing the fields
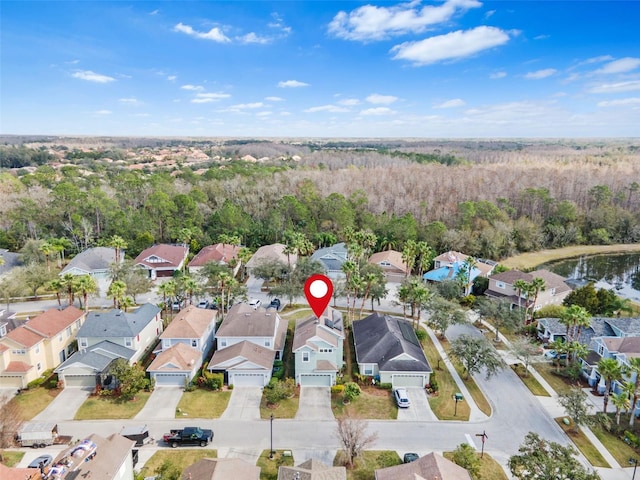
x=142 y=115
x=209 y=97
x=130 y=101
x=72 y=62
x=541 y=37
x=172 y=78
x=377 y=111
x=378 y=99
x=274 y=99
x=90 y=76
x=292 y=84
x=253 y=38
x=621 y=65
x=620 y=103
x=456 y=102
x=489 y=14
x=103 y=112
x=370 y=22
x=192 y=88
x=629 y=86
x=264 y=114
x=155 y=12
x=327 y=108
x=540 y=74
x=349 y=102
x=454 y=45
x=244 y=106
x=497 y=75
x=214 y=34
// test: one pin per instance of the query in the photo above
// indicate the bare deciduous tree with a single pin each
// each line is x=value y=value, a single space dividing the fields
x=10 y=423
x=352 y=433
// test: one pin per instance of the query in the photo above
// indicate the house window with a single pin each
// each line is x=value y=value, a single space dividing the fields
x=305 y=356
x=19 y=352
x=500 y=285
x=39 y=366
x=194 y=343
x=83 y=343
x=78 y=323
x=384 y=263
x=128 y=342
x=223 y=343
x=267 y=343
x=37 y=348
x=368 y=370
x=3 y=330
x=60 y=337
x=325 y=350
x=553 y=291
x=600 y=349
x=68 y=332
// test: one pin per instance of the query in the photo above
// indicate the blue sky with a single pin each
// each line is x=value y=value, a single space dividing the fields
x=453 y=68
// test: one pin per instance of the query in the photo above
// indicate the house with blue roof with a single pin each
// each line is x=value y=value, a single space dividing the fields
x=452 y=265
x=332 y=258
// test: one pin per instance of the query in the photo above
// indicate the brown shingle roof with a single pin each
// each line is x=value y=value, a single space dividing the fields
x=54 y=321
x=246 y=350
x=18 y=367
x=392 y=256
x=172 y=254
x=271 y=252
x=308 y=328
x=630 y=346
x=427 y=467
x=190 y=322
x=551 y=279
x=182 y=356
x=221 y=469
x=13 y=473
x=243 y=320
x=312 y=469
x=25 y=337
x=218 y=253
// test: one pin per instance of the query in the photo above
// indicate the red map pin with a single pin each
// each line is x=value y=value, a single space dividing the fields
x=318 y=289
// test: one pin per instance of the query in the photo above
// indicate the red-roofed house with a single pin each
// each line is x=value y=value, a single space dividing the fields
x=162 y=260
x=220 y=253
x=40 y=344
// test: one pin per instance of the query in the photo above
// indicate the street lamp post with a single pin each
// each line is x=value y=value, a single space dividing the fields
x=634 y=462
x=271 y=451
x=458 y=398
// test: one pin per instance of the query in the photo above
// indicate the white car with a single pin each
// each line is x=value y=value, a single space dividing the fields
x=255 y=303
x=402 y=399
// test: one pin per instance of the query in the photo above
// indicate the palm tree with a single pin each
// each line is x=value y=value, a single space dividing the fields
x=369 y=280
x=119 y=244
x=521 y=287
x=349 y=268
x=224 y=279
x=621 y=402
x=126 y=302
x=537 y=285
x=69 y=285
x=190 y=286
x=425 y=256
x=575 y=318
x=633 y=369
x=57 y=287
x=466 y=274
x=610 y=370
x=86 y=285
x=409 y=255
x=47 y=249
x=244 y=255
x=117 y=291
x=168 y=290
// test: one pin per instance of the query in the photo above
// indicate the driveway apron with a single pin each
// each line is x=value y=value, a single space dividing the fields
x=244 y=404
x=315 y=404
x=162 y=404
x=65 y=405
x=419 y=409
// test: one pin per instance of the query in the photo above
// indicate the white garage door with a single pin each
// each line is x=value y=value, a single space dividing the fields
x=315 y=380
x=11 y=381
x=170 y=379
x=407 y=381
x=247 y=379
x=80 y=380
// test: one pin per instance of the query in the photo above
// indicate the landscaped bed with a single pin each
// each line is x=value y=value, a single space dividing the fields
x=202 y=403
x=286 y=408
x=181 y=458
x=104 y=408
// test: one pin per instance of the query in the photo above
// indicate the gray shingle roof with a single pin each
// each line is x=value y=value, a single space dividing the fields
x=98 y=356
x=381 y=338
x=98 y=258
x=11 y=260
x=118 y=324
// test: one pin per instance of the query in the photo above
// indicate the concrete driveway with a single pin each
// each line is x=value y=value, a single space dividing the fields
x=315 y=404
x=65 y=405
x=244 y=404
x=162 y=404
x=419 y=409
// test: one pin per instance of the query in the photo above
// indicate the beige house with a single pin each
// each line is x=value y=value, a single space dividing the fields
x=42 y=343
x=221 y=469
x=395 y=270
x=244 y=364
x=162 y=260
x=501 y=287
x=274 y=252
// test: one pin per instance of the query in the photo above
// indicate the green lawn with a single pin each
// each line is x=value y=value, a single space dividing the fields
x=489 y=468
x=33 y=401
x=181 y=458
x=530 y=381
x=203 y=403
x=533 y=259
x=269 y=466
x=614 y=444
x=559 y=384
x=104 y=408
x=442 y=403
x=287 y=408
x=11 y=458
x=373 y=403
x=583 y=444
x=368 y=462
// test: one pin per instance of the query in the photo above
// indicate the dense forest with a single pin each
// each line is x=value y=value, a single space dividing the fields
x=487 y=198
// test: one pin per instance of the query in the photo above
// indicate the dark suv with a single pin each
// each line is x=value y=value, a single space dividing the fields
x=275 y=303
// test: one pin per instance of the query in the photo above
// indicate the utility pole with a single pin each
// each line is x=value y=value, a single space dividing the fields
x=484 y=438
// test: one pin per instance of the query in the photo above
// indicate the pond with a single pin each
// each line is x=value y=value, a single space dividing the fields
x=620 y=272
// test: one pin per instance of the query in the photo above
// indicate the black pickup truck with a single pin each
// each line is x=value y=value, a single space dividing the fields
x=188 y=436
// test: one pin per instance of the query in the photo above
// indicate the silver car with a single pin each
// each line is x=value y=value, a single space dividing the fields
x=402 y=399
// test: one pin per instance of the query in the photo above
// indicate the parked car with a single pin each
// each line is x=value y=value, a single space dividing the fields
x=188 y=436
x=402 y=398
x=275 y=303
x=554 y=354
x=203 y=303
x=410 y=457
x=45 y=460
x=176 y=306
x=255 y=303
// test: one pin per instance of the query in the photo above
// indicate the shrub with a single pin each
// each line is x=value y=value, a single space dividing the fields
x=468 y=301
x=351 y=391
x=421 y=334
x=387 y=459
x=35 y=383
x=337 y=389
x=385 y=386
x=279 y=390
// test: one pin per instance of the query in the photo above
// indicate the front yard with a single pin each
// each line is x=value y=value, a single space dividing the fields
x=202 y=403
x=181 y=458
x=583 y=444
x=286 y=408
x=269 y=466
x=104 y=408
x=372 y=403
x=368 y=462
x=34 y=400
x=10 y=458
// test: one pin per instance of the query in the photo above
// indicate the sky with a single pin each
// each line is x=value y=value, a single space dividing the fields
x=427 y=69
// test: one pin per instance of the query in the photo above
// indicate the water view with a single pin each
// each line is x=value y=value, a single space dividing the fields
x=620 y=272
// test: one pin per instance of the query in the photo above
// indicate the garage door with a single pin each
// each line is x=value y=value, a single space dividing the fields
x=80 y=381
x=170 y=379
x=247 y=379
x=11 y=381
x=315 y=380
x=408 y=381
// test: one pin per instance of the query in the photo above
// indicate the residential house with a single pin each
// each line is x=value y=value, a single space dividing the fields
x=101 y=335
x=312 y=470
x=221 y=469
x=220 y=253
x=39 y=344
x=11 y=261
x=95 y=458
x=395 y=270
x=15 y=473
x=273 y=252
x=248 y=342
x=318 y=348
x=93 y=261
x=551 y=329
x=501 y=287
x=449 y=266
x=8 y=321
x=332 y=258
x=428 y=467
x=162 y=260
x=388 y=349
x=183 y=345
